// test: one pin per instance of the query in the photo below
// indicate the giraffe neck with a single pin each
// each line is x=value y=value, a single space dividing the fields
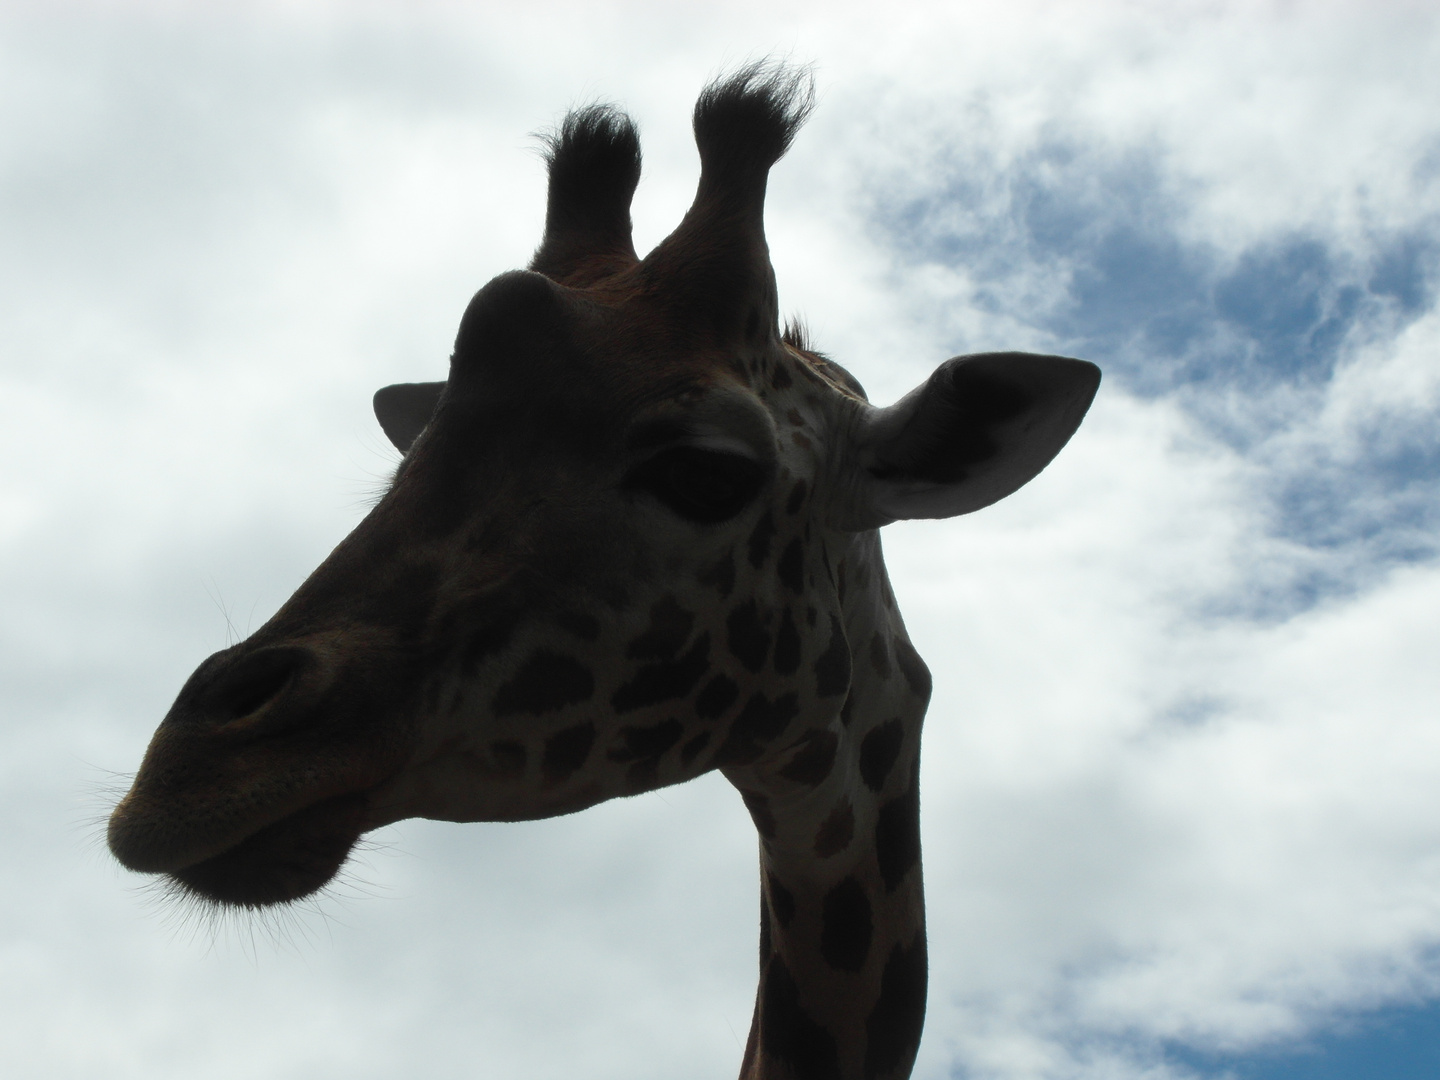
x=842 y=921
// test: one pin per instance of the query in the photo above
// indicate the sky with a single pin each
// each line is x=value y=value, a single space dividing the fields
x=1181 y=784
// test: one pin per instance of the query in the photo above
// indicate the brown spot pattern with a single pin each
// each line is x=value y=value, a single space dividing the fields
x=787 y=646
x=912 y=667
x=788 y=1033
x=846 y=926
x=664 y=681
x=880 y=655
x=897 y=835
x=565 y=752
x=691 y=750
x=813 y=761
x=782 y=900
x=717 y=697
x=669 y=629
x=892 y=1031
x=721 y=576
x=797 y=498
x=832 y=669
x=508 y=757
x=760 y=813
x=791 y=568
x=747 y=636
x=878 y=751
x=759 y=545
x=545 y=682
x=835 y=832
x=759 y=721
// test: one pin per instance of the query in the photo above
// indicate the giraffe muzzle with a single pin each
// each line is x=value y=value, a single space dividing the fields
x=282 y=862
x=243 y=796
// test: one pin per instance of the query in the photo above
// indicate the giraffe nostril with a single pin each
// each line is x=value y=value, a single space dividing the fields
x=253 y=682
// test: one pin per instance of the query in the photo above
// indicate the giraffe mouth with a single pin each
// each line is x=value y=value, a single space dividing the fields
x=287 y=860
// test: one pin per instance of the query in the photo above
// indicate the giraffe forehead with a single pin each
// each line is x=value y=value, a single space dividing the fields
x=577 y=368
x=525 y=325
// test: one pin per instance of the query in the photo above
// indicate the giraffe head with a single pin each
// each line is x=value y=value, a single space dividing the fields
x=606 y=560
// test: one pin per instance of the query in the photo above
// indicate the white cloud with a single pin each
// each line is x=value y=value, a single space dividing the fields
x=1143 y=826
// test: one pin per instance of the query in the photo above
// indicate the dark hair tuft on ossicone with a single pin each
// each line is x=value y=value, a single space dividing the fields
x=745 y=122
x=594 y=160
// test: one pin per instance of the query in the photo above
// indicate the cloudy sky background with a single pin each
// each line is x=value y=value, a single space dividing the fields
x=1182 y=772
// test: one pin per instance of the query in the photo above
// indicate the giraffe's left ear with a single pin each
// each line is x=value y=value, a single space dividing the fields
x=980 y=428
x=404 y=409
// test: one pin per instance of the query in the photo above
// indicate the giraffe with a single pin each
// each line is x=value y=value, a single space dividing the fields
x=633 y=537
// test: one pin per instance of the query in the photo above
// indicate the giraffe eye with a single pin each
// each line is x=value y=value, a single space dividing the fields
x=705 y=486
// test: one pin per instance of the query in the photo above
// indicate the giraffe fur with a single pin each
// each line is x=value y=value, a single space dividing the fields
x=633 y=538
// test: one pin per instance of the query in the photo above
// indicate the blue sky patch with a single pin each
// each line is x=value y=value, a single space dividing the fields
x=1247 y=342
x=1401 y=1043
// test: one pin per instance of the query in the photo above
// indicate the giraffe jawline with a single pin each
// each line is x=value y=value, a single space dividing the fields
x=288 y=860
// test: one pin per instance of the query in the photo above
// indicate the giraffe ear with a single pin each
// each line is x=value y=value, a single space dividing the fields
x=980 y=428
x=405 y=408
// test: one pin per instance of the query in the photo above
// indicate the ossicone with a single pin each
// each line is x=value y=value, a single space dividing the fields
x=594 y=161
x=745 y=122
x=714 y=269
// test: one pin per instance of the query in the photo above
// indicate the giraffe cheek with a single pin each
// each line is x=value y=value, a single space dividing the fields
x=494 y=782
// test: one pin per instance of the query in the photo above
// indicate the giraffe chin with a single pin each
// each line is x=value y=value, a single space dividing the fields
x=289 y=860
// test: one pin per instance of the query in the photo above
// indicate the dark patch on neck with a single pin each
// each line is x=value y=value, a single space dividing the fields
x=862 y=575
x=782 y=900
x=846 y=926
x=431 y=695
x=887 y=594
x=748 y=639
x=508 y=757
x=691 y=750
x=912 y=667
x=642 y=748
x=797 y=497
x=545 y=682
x=721 y=576
x=892 y=1031
x=836 y=831
x=789 y=1034
x=565 y=752
x=832 y=669
x=585 y=627
x=813 y=762
x=880 y=655
x=878 y=751
x=489 y=638
x=665 y=681
x=759 y=546
x=767 y=946
x=760 y=813
x=669 y=629
x=787 y=646
x=791 y=568
x=717 y=697
x=759 y=721
x=897 y=834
